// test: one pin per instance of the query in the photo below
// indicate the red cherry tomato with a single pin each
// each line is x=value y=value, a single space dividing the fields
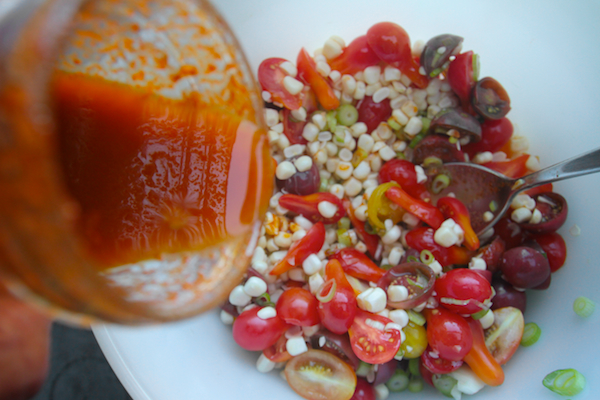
x=369 y=239
x=270 y=76
x=448 y=334
x=371 y=344
x=300 y=250
x=337 y=314
x=307 y=71
x=371 y=113
x=436 y=364
x=461 y=77
x=510 y=232
x=491 y=254
x=364 y=390
x=357 y=56
x=419 y=208
x=297 y=306
x=422 y=239
x=392 y=45
x=426 y=374
x=358 y=265
x=308 y=206
x=494 y=135
x=555 y=248
x=454 y=208
x=293 y=129
x=514 y=168
x=253 y=333
x=278 y=352
x=480 y=360
x=403 y=172
x=463 y=291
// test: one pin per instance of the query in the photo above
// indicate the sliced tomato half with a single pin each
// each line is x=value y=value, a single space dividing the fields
x=369 y=339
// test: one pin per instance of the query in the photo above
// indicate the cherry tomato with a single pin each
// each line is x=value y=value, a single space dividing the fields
x=454 y=208
x=418 y=278
x=371 y=344
x=278 y=352
x=491 y=254
x=364 y=390
x=297 y=306
x=503 y=338
x=307 y=71
x=490 y=99
x=416 y=340
x=337 y=314
x=254 y=333
x=292 y=129
x=403 y=173
x=357 y=56
x=524 y=267
x=438 y=365
x=448 y=334
x=426 y=374
x=480 y=360
x=422 y=239
x=463 y=291
x=514 y=168
x=555 y=248
x=318 y=375
x=392 y=45
x=300 y=250
x=308 y=206
x=338 y=345
x=270 y=76
x=371 y=113
x=419 y=208
x=510 y=232
x=462 y=76
x=369 y=239
x=494 y=135
x=554 y=211
x=508 y=296
x=358 y=265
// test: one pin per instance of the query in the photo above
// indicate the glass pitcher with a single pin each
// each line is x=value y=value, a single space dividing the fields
x=134 y=163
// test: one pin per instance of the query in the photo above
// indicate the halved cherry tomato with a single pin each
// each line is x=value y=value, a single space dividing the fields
x=364 y=390
x=371 y=113
x=318 y=375
x=369 y=239
x=453 y=208
x=448 y=334
x=392 y=45
x=510 y=232
x=555 y=248
x=461 y=77
x=278 y=352
x=514 y=168
x=403 y=173
x=357 y=56
x=416 y=340
x=480 y=360
x=489 y=99
x=417 y=277
x=338 y=345
x=437 y=364
x=338 y=313
x=422 y=210
x=380 y=207
x=463 y=291
x=308 y=206
x=307 y=71
x=422 y=239
x=358 y=265
x=293 y=129
x=371 y=344
x=297 y=306
x=491 y=254
x=270 y=76
x=503 y=338
x=300 y=250
x=554 y=209
x=253 y=333
x=494 y=135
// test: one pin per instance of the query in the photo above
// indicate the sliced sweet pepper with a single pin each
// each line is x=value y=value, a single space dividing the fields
x=369 y=239
x=311 y=243
x=307 y=71
x=308 y=206
x=514 y=168
x=454 y=208
x=422 y=239
x=357 y=264
x=480 y=360
x=422 y=210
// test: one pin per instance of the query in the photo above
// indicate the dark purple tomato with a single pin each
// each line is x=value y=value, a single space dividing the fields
x=461 y=121
x=508 y=296
x=364 y=390
x=338 y=345
x=437 y=146
x=301 y=183
x=491 y=254
x=554 y=211
x=385 y=372
x=524 y=267
x=544 y=285
x=490 y=99
x=372 y=113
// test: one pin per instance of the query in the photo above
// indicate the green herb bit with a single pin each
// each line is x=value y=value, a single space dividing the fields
x=493 y=206
x=439 y=183
x=331 y=120
x=583 y=306
x=394 y=124
x=344 y=223
x=531 y=334
x=416 y=384
x=398 y=382
x=480 y=314
x=413 y=366
x=347 y=115
x=417 y=139
x=426 y=257
x=444 y=383
x=324 y=186
x=344 y=238
x=566 y=382
x=412 y=259
x=264 y=300
x=426 y=123
x=432 y=160
x=416 y=317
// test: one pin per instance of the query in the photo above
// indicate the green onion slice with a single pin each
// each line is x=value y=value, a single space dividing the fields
x=327 y=291
x=583 y=306
x=493 y=206
x=413 y=366
x=344 y=238
x=416 y=317
x=363 y=369
x=344 y=223
x=412 y=259
x=347 y=114
x=444 y=383
x=417 y=139
x=332 y=120
x=531 y=334
x=393 y=124
x=416 y=384
x=566 y=382
x=398 y=382
x=426 y=257
x=432 y=160
x=264 y=300
x=439 y=183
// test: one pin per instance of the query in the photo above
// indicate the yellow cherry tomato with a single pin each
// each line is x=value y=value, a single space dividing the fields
x=416 y=340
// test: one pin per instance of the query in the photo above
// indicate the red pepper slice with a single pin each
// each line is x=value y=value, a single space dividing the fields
x=307 y=71
x=369 y=239
x=308 y=206
x=422 y=210
x=480 y=359
x=514 y=168
x=358 y=265
x=422 y=239
x=338 y=313
x=300 y=250
x=357 y=56
x=455 y=209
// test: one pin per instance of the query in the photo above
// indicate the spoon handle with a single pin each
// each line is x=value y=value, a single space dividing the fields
x=583 y=164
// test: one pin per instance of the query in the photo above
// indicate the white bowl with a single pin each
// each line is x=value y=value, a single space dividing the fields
x=545 y=54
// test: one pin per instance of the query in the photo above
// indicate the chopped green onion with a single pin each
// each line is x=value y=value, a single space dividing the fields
x=323 y=187
x=400 y=155
x=493 y=206
x=413 y=366
x=453 y=140
x=531 y=334
x=264 y=300
x=416 y=384
x=331 y=120
x=426 y=123
x=444 y=383
x=414 y=283
x=386 y=267
x=363 y=369
x=476 y=67
x=358 y=157
x=369 y=228
x=394 y=124
x=344 y=223
x=412 y=259
x=427 y=257
x=432 y=160
x=328 y=296
x=479 y=314
x=417 y=139
x=583 y=306
x=398 y=382
x=566 y=382
x=439 y=183
x=416 y=317
x=339 y=135
x=347 y=114
x=343 y=238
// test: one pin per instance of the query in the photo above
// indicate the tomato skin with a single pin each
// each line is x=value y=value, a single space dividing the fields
x=297 y=306
x=479 y=358
x=370 y=344
x=253 y=333
x=270 y=76
x=403 y=172
x=514 y=168
x=338 y=314
x=308 y=206
x=278 y=352
x=358 y=265
x=421 y=209
x=357 y=56
x=300 y=250
x=454 y=208
x=461 y=77
x=307 y=71
x=422 y=239
x=370 y=240
x=448 y=334
x=555 y=248
x=494 y=135
x=462 y=284
x=372 y=113
x=438 y=365
x=364 y=390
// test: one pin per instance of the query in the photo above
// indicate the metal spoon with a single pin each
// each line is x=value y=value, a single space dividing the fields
x=478 y=187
